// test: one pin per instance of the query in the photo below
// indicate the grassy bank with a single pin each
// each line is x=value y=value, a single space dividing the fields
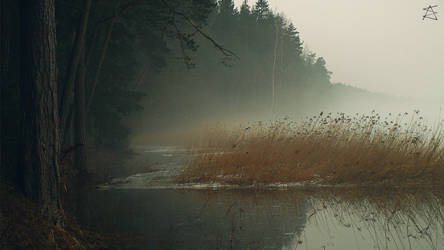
x=330 y=149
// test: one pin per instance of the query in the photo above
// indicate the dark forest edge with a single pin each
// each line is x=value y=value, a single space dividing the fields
x=75 y=74
x=67 y=70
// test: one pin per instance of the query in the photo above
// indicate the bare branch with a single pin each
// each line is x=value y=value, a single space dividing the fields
x=117 y=13
x=224 y=51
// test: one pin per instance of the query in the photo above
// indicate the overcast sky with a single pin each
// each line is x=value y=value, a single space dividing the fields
x=379 y=45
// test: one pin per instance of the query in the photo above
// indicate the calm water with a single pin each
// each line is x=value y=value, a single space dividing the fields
x=165 y=217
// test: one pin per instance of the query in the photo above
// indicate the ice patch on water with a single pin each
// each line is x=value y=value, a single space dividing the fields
x=165 y=175
x=166 y=180
x=165 y=150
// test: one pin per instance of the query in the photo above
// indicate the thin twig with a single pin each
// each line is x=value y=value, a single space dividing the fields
x=124 y=9
x=224 y=51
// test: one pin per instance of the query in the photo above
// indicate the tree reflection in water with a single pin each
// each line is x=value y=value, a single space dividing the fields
x=270 y=219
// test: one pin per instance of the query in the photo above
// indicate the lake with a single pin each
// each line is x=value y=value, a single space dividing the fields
x=159 y=214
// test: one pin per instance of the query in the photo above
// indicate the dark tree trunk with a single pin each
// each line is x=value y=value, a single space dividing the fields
x=102 y=59
x=114 y=18
x=4 y=63
x=80 y=120
x=41 y=145
x=68 y=89
x=5 y=42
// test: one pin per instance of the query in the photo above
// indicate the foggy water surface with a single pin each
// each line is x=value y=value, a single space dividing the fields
x=169 y=218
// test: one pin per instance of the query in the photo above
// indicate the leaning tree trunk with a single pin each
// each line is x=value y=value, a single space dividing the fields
x=102 y=59
x=80 y=119
x=66 y=104
x=41 y=145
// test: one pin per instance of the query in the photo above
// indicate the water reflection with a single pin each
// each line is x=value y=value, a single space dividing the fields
x=302 y=219
x=373 y=219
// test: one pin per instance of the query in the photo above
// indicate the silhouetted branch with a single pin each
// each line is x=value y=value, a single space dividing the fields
x=117 y=13
x=224 y=51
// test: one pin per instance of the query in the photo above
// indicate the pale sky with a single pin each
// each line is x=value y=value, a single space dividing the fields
x=379 y=45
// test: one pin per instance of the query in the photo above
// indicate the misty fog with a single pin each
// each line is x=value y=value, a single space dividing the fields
x=380 y=57
x=221 y=124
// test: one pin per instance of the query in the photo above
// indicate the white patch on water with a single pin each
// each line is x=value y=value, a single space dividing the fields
x=165 y=149
x=165 y=177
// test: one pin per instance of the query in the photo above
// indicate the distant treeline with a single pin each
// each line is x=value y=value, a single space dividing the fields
x=271 y=72
x=273 y=76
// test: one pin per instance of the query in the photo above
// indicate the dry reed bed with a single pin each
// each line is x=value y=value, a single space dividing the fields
x=330 y=149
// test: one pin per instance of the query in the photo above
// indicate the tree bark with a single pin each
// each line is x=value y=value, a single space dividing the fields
x=41 y=144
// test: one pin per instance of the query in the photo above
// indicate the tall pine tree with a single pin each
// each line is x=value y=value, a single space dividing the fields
x=41 y=141
x=261 y=10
